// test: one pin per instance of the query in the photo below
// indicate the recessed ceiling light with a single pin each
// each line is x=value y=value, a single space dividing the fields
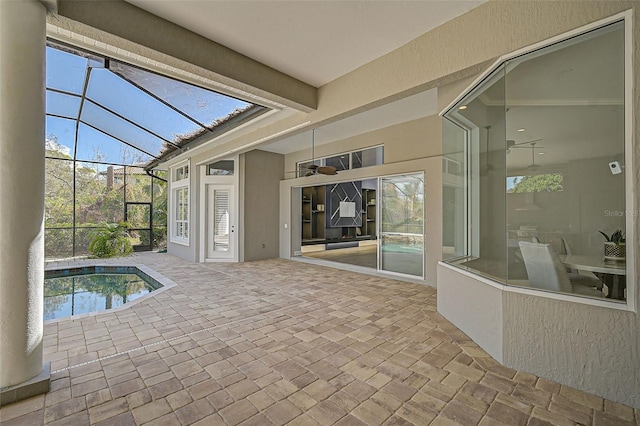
x=521 y=130
x=462 y=107
x=541 y=153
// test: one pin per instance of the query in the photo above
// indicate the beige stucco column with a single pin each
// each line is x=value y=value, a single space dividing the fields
x=22 y=121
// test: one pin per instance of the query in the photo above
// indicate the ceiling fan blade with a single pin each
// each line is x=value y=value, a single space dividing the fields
x=327 y=170
x=527 y=142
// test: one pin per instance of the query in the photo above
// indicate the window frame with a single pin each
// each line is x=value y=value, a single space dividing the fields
x=322 y=161
x=630 y=303
x=178 y=187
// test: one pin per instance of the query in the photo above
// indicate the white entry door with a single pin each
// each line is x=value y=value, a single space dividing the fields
x=221 y=227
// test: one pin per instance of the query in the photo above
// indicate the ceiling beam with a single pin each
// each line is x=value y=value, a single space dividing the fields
x=131 y=23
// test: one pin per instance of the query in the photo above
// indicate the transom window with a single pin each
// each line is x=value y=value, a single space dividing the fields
x=221 y=168
x=348 y=160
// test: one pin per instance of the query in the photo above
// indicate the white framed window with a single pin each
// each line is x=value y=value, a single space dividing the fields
x=365 y=157
x=180 y=204
x=522 y=169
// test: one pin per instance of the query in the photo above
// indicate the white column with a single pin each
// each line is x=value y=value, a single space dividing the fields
x=22 y=75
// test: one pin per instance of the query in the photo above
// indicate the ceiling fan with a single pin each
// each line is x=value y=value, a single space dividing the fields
x=533 y=147
x=313 y=168
x=511 y=144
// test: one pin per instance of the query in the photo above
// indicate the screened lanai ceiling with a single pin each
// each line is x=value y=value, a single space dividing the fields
x=102 y=110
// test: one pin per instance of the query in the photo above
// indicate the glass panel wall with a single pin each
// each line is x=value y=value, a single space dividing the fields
x=533 y=170
x=375 y=223
x=80 y=197
x=402 y=224
x=454 y=202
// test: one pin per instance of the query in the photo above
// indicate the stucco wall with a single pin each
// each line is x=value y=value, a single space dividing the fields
x=260 y=192
x=587 y=347
x=475 y=307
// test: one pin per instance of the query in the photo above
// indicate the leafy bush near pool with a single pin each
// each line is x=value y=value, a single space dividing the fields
x=111 y=240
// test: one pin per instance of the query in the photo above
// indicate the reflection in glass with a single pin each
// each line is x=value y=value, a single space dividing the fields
x=340 y=162
x=221 y=168
x=402 y=225
x=546 y=182
x=454 y=202
x=538 y=135
x=182 y=173
x=367 y=157
x=182 y=212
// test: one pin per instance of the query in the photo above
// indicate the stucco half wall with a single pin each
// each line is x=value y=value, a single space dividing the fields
x=591 y=348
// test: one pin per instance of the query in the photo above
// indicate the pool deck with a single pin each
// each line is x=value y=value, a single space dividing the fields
x=285 y=342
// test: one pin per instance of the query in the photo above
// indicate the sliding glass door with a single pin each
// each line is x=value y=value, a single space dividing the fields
x=402 y=224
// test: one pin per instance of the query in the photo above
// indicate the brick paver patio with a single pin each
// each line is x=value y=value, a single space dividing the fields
x=284 y=342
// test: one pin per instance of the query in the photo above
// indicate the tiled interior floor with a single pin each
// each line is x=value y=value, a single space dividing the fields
x=285 y=342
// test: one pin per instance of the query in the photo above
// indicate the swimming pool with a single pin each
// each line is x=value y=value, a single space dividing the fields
x=76 y=291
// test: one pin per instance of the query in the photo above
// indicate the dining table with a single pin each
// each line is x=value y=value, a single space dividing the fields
x=611 y=273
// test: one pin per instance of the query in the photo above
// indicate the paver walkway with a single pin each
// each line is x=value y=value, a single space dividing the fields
x=284 y=342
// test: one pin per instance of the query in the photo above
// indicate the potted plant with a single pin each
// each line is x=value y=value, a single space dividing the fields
x=614 y=246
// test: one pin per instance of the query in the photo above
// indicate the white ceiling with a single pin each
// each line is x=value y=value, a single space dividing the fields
x=313 y=41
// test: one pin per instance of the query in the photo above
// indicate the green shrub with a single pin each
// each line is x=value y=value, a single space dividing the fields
x=111 y=240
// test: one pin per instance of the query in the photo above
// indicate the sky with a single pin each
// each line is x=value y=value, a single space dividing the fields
x=66 y=72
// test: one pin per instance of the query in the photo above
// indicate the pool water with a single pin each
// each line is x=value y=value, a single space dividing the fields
x=68 y=293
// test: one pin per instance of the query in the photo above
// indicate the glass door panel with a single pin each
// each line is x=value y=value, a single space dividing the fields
x=402 y=224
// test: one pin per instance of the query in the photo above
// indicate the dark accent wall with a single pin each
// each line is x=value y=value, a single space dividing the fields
x=345 y=191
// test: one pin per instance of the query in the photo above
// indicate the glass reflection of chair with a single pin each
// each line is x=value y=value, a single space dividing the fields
x=546 y=271
x=569 y=252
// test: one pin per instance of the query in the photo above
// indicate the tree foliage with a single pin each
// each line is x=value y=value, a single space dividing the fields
x=550 y=182
x=98 y=199
x=110 y=240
